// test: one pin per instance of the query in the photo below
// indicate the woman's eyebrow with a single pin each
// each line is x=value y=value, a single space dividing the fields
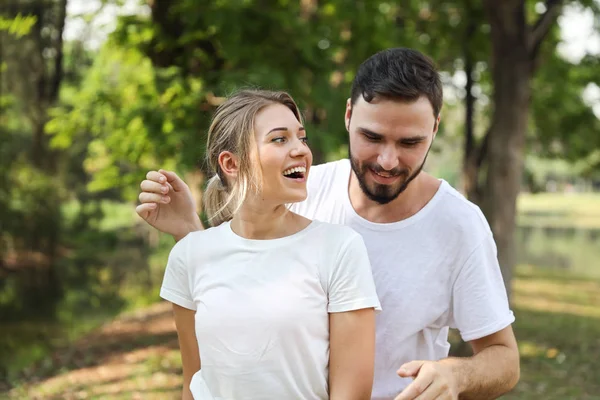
x=282 y=128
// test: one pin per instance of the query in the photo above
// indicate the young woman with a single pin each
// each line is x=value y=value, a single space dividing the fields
x=268 y=304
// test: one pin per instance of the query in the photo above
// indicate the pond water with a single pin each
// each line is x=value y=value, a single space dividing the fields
x=569 y=248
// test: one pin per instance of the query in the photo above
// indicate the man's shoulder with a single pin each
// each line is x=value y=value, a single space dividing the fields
x=324 y=178
x=336 y=232
x=456 y=199
x=329 y=169
x=459 y=213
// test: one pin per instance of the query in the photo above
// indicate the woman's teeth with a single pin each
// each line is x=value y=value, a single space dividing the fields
x=290 y=171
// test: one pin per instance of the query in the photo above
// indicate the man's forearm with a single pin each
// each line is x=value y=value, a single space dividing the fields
x=489 y=374
x=193 y=225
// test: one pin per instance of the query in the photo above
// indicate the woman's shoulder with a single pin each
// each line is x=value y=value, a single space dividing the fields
x=206 y=239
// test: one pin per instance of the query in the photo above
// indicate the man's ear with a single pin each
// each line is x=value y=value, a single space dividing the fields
x=348 y=114
x=229 y=164
x=436 y=127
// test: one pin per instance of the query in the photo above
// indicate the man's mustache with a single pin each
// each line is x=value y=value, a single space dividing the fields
x=393 y=172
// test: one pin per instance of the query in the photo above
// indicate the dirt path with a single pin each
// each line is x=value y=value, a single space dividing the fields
x=134 y=357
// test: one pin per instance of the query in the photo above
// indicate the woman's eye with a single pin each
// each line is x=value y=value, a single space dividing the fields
x=278 y=140
x=304 y=139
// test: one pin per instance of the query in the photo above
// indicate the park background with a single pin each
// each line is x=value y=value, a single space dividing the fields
x=93 y=93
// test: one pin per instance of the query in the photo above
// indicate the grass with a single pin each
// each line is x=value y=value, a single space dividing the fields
x=133 y=357
x=557 y=326
x=558 y=330
x=572 y=203
x=581 y=210
x=107 y=269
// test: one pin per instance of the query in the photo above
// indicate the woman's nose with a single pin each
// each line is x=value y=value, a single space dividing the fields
x=300 y=149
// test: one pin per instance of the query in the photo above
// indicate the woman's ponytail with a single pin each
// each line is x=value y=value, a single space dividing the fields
x=217 y=202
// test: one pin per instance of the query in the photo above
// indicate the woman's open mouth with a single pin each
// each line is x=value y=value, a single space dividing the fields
x=296 y=173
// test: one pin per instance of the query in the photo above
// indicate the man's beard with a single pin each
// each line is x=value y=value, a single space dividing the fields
x=383 y=194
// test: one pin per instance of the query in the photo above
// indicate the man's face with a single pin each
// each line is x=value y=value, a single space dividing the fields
x=389 y=142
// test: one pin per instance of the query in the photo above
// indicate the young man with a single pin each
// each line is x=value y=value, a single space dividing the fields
x=432 y=252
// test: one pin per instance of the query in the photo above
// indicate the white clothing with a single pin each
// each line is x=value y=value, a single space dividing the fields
x=434 y=270
x=262 y=306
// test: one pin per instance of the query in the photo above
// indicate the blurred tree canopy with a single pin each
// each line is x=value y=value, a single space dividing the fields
x=80 y=124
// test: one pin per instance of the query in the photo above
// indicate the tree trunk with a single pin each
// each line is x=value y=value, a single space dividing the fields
x=47 y=79
x=42 y=57
x=511 y=73
x=470 y=170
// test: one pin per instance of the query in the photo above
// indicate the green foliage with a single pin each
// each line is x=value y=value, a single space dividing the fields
x=572 y=130
x=130 y=116
x=148 y=97
x=18 y=26
x=29 y=196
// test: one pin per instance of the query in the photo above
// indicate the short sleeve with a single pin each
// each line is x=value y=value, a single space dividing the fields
x=350 y=284
x=176 y=283
x=479 y=302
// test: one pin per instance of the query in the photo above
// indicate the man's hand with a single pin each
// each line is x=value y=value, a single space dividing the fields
x=491 y=372
x=432 y=380
x=167 y=204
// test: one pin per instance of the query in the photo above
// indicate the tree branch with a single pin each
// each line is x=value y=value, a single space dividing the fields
x=482 y=149
x=467 y=50
x=542 y=26
x=58 y=71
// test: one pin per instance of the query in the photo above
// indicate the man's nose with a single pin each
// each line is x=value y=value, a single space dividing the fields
x=388 y=159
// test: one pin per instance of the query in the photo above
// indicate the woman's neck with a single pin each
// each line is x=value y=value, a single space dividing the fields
x=263 y=223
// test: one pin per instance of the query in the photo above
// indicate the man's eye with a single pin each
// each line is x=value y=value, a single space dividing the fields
x=371 y=138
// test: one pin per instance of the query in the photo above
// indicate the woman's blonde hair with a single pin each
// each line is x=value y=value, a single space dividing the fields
x=232 y=129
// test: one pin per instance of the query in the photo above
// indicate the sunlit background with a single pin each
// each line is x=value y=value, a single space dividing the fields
x=94 y=93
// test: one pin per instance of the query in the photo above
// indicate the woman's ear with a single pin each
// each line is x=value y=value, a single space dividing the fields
x=229 y=164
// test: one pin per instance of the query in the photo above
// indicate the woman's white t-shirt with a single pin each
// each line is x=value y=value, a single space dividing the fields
x=262 y=306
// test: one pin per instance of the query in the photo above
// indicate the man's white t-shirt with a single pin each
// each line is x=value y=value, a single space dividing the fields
x=434 y=270
x=262 y=321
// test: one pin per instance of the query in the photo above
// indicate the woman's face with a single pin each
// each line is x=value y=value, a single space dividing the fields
x=283 y=153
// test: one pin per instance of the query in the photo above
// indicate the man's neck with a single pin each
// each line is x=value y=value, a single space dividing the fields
x=418 y=193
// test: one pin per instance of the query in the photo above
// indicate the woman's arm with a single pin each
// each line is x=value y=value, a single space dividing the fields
x=352 y=354
x=188 y=345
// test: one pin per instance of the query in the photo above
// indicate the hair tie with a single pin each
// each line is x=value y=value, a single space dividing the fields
x=220 y=181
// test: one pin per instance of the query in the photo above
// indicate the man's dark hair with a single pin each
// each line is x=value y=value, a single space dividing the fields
x=398 y=73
